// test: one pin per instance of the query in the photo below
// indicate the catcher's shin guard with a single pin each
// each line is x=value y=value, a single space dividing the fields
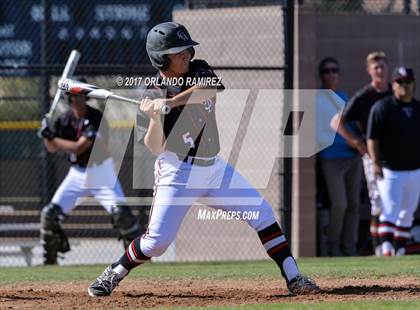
x=128 y=227
x=53 y=238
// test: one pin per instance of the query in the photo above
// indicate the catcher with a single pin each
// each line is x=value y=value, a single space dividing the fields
x=74 y=132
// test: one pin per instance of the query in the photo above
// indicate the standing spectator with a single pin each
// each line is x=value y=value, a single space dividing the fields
x=394 y=146
x=357 y=110
x=341 y=169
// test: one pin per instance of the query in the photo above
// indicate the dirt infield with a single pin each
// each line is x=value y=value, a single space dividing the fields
x=184 y=293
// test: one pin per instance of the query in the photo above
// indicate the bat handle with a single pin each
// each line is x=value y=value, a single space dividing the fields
x=165 y=109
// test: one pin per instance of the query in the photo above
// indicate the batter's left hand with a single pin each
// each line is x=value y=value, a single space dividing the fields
x=45 y=131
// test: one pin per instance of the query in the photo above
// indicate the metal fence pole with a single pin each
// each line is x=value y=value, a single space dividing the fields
x=45 y=162
x=407 y=7
x=285 y=209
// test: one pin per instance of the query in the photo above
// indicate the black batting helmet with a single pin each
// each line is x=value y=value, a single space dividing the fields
x=167 y=38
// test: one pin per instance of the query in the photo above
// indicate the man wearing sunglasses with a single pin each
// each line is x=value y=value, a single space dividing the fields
x=394 y=147
x=340 y=167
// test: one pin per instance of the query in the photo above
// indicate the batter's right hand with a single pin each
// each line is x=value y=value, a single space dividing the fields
x=45 y=130
x=151 y=107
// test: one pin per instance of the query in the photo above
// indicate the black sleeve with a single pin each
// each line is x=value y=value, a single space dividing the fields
x=90 y=131
x=57 y=128
x=376 y=122
x=203 y=69
x=351 y=110
x=91 y=125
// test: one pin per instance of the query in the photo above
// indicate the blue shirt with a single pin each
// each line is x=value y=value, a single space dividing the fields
x=340 y=148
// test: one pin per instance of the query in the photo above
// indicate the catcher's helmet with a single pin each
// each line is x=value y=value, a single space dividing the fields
x=83 y=80
x=167 y=38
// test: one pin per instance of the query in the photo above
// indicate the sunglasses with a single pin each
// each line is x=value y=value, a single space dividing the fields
x=329 y=70
x=404 y=82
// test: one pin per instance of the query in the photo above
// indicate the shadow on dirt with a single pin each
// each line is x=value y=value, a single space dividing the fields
x=13 y=297
x=364 y=290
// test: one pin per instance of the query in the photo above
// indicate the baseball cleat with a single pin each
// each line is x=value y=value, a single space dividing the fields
x=400 y=252
x=388 y=249
x=301 y=285
x=104 y=284
x=378 y=250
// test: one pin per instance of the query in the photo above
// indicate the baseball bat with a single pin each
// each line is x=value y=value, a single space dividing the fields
x=92 y=91
x=67 y=72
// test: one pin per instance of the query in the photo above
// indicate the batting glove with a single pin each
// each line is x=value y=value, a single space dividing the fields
x=45 y=130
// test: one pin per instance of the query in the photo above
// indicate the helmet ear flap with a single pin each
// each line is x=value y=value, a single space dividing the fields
x=160 y=62
x=165 y=62
x=192 y=52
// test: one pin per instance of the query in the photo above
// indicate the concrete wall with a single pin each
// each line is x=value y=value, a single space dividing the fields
x=349 y=38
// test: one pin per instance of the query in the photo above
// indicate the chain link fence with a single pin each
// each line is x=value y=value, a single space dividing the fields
x=407 y=7
x=36 y=38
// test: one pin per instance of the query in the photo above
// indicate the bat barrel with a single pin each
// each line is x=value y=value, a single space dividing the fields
x=67 y=72
x=80 y=88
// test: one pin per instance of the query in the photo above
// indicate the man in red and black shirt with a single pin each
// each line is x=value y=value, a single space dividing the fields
x=357 y=110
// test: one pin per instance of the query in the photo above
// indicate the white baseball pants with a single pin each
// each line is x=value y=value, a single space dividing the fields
x=99 y=181
x=400 y=194
x=178 y=185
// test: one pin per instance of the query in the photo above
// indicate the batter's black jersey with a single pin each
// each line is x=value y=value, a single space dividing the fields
x=358 y=107
x=189 y=130
x=396 y=125
x=68 y=127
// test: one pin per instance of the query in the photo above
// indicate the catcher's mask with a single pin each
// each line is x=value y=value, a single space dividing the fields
x=167 y=38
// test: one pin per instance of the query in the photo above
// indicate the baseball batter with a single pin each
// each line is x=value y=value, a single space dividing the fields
x=75 y=132
x=394 y=146
x=188 y=167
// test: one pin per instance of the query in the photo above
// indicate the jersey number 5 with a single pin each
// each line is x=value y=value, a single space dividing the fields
x=188 y=139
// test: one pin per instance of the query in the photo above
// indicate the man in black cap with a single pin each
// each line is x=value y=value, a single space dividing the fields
x=394 y=147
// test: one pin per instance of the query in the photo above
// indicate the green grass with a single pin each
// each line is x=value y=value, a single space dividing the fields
x=362 y=305
x=362 y=267
x=339 y=268
x=354 y=267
